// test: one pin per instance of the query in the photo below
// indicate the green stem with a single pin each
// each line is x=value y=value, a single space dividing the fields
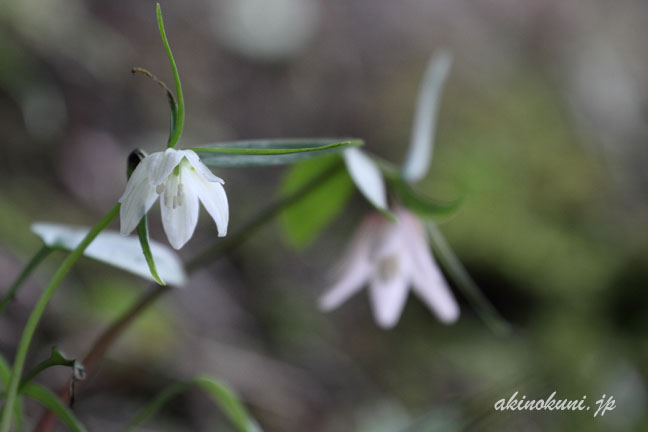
x=29 y=268
x=110 y=335
x=37 y=312
x=56 y=359
x=180 y=113
x=232 y=241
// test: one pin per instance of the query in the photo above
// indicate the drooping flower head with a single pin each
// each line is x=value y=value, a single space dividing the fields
x=392 y=257
x=180 y=180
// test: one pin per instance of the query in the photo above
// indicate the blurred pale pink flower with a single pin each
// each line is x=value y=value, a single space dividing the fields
x=390 y=257
x=180 y=180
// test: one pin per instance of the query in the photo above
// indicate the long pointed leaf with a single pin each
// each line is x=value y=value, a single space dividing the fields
x=220 y=394
x=179 y=113
x=227 y=400
x=270 y=151
x=52 y=402
x=424 y=207
x=142 y=233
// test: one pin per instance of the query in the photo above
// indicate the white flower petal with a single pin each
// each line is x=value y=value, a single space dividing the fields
x=419 y=154
x=140 y=173
x=360 y=244
x=162 y=164
x=388 y=293
x=202 y=169
x=350 y=283
x=354 y=268
x=427 y=280
x=179 y=220
x=388 y=240
x=366 y=176
x=213 y=197
x=111 y=248
x=137 y=199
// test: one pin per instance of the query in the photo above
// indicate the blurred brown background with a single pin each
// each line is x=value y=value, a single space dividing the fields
x=542 y=129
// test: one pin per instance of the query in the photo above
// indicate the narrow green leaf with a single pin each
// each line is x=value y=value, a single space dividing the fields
x=465 y=282
x=142 y=233
x=220 y=394
x=304 y=220
x=271 y=151
x=227 y=400
x=422 y=206
x=52 y=402
x=178 y=122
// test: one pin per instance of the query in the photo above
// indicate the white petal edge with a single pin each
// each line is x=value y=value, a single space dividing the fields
x=419 y=155
x=428 y=283
x=138 y=198
x=179 y=223
x=202 y=169
x=213 y=197
x=350 y=283
x=353 y=270
x=111 y=248
x=162 y=164
x=366 y=176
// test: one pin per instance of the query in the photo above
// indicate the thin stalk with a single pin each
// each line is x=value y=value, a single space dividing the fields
x=55 y=359
x=37 y=313
x=42 y=253
x=232 y=241
x=110 y=334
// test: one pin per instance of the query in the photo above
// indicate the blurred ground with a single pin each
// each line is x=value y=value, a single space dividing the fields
x=542 y=129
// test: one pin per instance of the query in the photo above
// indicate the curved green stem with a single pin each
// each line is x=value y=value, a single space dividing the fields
x=37 y=312
x=110 y=334
x=180 y=114
x=269 y=213
x=56 y=358
x=29 y=268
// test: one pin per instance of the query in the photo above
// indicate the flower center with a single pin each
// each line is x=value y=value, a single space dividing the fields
x=388 y=268
x=172 y=191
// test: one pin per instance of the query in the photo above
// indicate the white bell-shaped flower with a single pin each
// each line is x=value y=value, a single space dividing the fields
x=180 y=180
x=390 y=257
